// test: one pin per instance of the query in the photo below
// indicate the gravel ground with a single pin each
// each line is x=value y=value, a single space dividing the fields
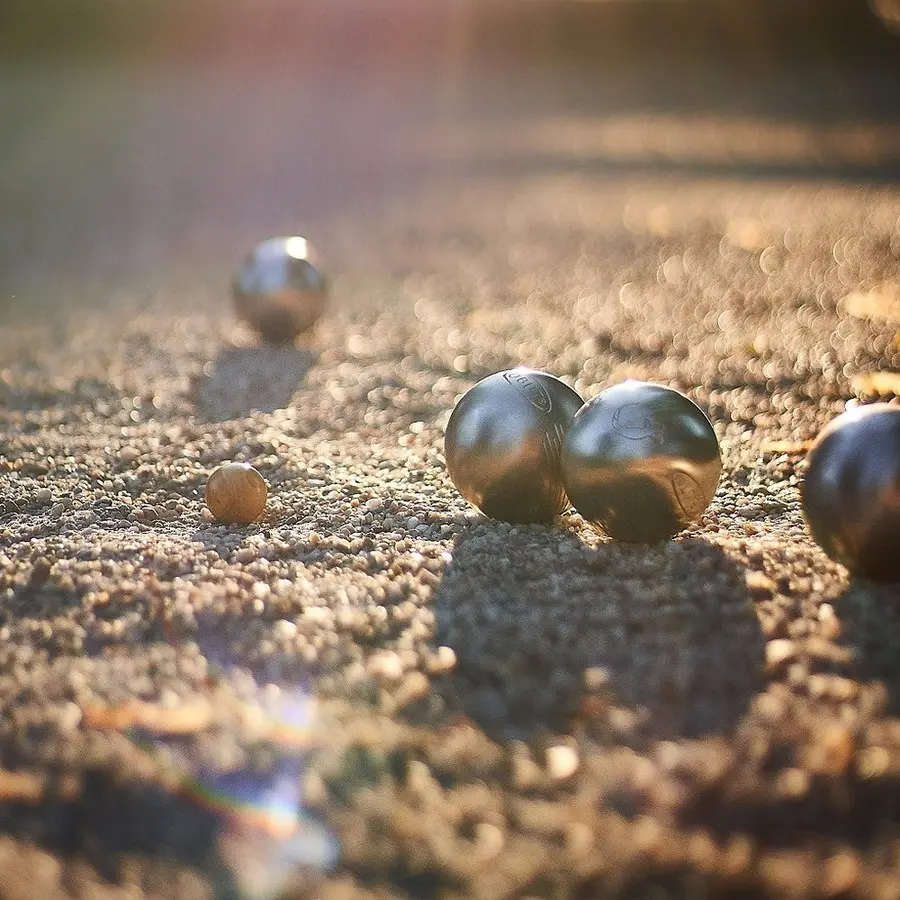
x=446 y=706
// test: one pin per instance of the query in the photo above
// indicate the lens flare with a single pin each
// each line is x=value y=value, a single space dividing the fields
x=267 y=839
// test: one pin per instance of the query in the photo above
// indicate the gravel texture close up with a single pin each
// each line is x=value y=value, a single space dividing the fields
x=374 y=692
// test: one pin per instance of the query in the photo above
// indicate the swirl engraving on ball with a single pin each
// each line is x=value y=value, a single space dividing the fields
x=531 y=389
x=633 y=422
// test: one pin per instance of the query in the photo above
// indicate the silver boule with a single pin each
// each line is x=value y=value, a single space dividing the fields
x=642 y=461
x=851 y=492
x=503 y=441
x=278 y=290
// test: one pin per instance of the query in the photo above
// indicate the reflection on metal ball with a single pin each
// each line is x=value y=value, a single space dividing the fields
x=642 y=461
x=503 y=441
x=851 y=493
x=278 y=290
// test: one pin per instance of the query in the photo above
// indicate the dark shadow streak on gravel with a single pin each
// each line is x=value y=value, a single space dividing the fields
x=248 y=379
x=845 y=805
x=847 y=808
x=672 y=626
x=871 y=616
x=113 y=819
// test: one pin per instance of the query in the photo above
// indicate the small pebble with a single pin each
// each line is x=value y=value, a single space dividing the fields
x=779 y=651
x=443 y=660
x=284 y=629
x=841 y=872
x=386 y=665
x=562 y=762
x=489 y=840
x=759 y=582
x=415 y=686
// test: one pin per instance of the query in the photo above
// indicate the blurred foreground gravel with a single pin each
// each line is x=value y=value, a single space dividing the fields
x=459 y=708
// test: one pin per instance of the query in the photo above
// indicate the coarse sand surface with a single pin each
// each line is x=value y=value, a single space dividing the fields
x=375 y=692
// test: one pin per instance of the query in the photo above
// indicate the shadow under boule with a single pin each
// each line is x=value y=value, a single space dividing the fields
x=242 y=380
x=870 y=614
x=671 y=627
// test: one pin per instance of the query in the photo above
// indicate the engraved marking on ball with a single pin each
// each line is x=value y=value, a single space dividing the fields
x=551 y=444
x=530 y=388
x=632 y=423
x=688 y=493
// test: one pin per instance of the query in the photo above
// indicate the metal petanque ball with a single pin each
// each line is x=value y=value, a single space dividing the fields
x=851 y=493
x=278 y=290
x=642 y=461
x=236 y=494
x=503 y=441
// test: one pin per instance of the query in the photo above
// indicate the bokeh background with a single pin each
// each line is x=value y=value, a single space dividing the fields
x=145 y=135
